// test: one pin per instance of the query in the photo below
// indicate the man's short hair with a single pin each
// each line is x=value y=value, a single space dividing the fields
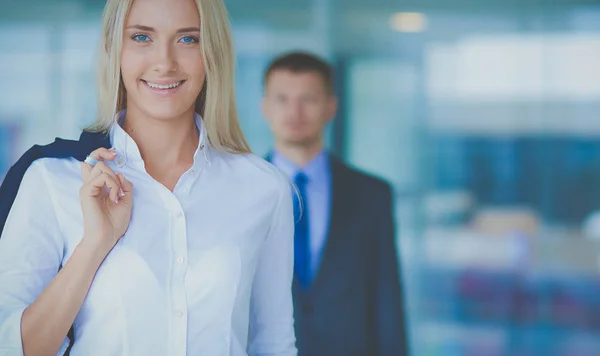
x=302 y=62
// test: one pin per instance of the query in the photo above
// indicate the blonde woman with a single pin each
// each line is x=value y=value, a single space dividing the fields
x=171 y=238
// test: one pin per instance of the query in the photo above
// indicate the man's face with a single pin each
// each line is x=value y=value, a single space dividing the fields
x=298 y=106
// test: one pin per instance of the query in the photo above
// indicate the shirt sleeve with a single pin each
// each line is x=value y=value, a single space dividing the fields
x=271 y=310
x=31 y=250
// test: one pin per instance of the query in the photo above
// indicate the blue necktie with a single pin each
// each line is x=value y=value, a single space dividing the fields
x=301 y=233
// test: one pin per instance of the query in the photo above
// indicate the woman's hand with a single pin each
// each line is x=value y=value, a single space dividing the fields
x=106 y=202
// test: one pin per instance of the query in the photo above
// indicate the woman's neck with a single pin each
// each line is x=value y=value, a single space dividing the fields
x=163 y=144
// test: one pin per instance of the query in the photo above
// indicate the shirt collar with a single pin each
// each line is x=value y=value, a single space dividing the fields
x=128 y=151
x=316 y=169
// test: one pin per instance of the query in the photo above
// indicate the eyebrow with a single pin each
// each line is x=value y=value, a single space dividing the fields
x=150 y=29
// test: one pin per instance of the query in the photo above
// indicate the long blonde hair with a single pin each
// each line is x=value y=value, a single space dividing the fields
x=216 y=102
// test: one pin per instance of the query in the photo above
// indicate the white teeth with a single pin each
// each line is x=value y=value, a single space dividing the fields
x=164 y=86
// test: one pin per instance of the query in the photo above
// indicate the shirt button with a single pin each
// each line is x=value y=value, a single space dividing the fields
x=178 y=214
x=180 y=260
x=121 y=162
x=179 y=313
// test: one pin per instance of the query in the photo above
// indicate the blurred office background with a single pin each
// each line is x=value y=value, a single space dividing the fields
x=482 y=113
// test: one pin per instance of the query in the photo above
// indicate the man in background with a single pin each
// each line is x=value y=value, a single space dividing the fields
x=347 y=291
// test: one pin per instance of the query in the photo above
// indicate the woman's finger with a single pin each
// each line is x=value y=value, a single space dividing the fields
x=100 y=168
x=86 y=171
x=126 y=187
x=98 y=184
x=95 y=158
x=103 y=168
x=102 y=154
x=125 y=184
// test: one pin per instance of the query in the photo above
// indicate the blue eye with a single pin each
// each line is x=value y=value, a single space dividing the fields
x=189 y=39
x=141 y=38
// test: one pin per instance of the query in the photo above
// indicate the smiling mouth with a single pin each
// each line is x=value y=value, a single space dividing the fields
x=163 y=86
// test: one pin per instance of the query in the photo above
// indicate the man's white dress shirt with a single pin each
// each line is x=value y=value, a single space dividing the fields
x=203 y=270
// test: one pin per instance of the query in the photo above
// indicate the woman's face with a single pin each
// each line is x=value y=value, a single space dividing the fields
x=161 y=61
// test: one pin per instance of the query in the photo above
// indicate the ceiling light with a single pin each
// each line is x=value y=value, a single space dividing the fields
x=408 y=22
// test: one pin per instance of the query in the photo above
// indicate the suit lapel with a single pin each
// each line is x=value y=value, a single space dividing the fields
x=338 y=226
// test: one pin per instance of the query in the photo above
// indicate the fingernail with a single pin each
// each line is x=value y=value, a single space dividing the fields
x=117 y=200
x=121 y=193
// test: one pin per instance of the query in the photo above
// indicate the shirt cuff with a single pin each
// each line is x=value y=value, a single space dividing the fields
x=11 y=341
x=10 y=332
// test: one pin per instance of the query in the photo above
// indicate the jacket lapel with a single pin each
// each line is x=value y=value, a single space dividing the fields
x=338 y=229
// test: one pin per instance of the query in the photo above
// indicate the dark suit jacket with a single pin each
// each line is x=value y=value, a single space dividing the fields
x=355 y=304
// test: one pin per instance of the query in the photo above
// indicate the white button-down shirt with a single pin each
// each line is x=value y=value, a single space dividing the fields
x=203 y=270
